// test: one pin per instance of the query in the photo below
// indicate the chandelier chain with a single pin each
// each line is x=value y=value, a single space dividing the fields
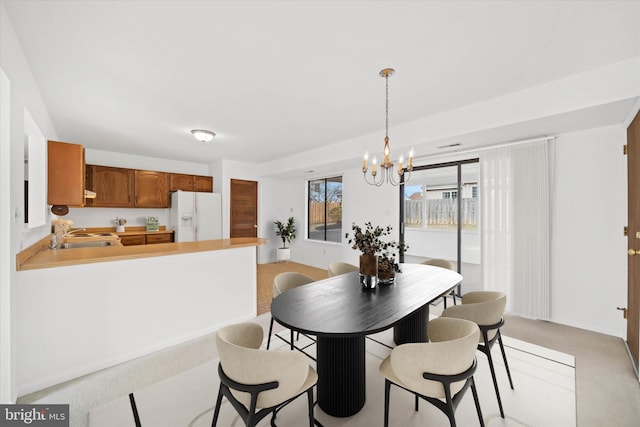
x=386 y=107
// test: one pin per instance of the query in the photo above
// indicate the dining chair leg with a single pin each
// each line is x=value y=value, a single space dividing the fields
x=292 y=339
x=387 y=389
x=216 y=413
x=477 y=401
x=495 y=381
x=310 y=403
x=444 y=298
x=417 y=400
x=504 y=357
x=270 y=331
x=449 y=405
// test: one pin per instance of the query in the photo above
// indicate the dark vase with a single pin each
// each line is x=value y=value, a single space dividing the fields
x=368 y=271
x=386 y=277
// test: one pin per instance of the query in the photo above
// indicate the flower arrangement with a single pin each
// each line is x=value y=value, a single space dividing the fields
x=369 y=242
x=387 y=258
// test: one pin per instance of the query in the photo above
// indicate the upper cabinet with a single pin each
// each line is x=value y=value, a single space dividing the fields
x=152 y=189
x=132 y=188
x=114 y=187
x=180 y=181
x=203 y=184
x=66 y=174
x=184 y=182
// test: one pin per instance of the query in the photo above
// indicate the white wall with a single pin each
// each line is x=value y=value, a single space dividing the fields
x=76 y=320
x=588 y=249
x=23 y=95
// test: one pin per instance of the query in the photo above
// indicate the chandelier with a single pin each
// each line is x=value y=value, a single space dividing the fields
x=387 y=172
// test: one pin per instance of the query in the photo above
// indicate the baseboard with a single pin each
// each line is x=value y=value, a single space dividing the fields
x=633 y=361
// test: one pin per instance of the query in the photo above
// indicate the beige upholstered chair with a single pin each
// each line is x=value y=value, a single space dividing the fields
x=444 y=263
x=259 y=382
x=486 y=309
x=338 y=268
x=281 y=283
x=439 y=371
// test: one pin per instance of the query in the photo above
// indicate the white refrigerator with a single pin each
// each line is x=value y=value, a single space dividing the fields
x=195 y=216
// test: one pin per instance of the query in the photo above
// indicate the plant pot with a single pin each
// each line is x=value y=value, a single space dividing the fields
x=368 y=271
x=284 y=254
x=386 y=277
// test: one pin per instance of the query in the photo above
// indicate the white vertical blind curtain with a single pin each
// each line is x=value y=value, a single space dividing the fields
x=515 y=226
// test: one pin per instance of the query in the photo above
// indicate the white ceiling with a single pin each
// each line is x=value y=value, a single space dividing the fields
x=276 y=78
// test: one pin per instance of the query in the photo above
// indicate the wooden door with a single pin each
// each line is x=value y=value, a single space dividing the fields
x=244 y=208
x=113 y=186
x=152 y=189
x=633 y=286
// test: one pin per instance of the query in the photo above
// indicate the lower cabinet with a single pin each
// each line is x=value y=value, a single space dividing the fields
x=158 y=238
x=132 y=239
x=145 y=239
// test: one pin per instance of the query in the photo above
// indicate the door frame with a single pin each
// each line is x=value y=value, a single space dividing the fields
x=455 y=163
x=633 y=240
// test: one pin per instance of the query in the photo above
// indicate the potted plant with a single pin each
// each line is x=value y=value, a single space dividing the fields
x=286 y=232
x=387 y=264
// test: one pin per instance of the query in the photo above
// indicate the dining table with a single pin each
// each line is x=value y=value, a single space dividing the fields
x=340 y=313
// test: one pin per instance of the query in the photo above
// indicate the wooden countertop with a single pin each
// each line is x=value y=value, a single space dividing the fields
x=40 y=256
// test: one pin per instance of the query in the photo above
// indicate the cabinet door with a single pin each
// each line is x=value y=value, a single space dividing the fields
x=65 y=183
x=113 y=186
x=158 y=238
x=132 y=239
x=152 y=189
x=203 y=183
x=179 y=181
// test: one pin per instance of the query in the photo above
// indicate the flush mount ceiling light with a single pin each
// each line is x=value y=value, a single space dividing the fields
x=203 y=135
x=386 y=171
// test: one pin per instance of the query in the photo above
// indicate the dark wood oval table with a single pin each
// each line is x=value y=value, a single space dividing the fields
x=340 y=313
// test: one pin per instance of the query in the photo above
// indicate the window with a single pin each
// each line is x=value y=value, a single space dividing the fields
x=449 y=194
x=324 y=221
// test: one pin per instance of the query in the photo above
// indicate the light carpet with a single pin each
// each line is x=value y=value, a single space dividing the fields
x=544 y=394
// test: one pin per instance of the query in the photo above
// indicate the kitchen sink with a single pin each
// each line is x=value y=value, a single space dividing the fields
x=95 y=244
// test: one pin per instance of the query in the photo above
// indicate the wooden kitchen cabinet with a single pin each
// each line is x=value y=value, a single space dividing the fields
x=66 y=174
x=158 y=238
x=152 y=189
x=133 y=239
x=203 y=183
x=114 y=187
x=184 y=182
x=179 y=181
x=146 y=238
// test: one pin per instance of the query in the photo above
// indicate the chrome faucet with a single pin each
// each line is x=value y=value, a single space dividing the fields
x=55 y=240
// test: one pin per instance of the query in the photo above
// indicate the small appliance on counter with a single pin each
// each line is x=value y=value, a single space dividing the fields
x=152 y=223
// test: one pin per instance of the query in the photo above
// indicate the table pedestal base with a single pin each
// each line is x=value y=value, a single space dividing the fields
x=412 y=328
x=341 y=375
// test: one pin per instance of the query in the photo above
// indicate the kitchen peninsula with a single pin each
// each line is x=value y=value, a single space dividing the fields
x=81 y=310
x=40 y=256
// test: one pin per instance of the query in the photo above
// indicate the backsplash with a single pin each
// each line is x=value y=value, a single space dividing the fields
x=103 y=217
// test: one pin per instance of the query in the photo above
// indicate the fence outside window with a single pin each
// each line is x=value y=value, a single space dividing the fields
x=441 y=213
